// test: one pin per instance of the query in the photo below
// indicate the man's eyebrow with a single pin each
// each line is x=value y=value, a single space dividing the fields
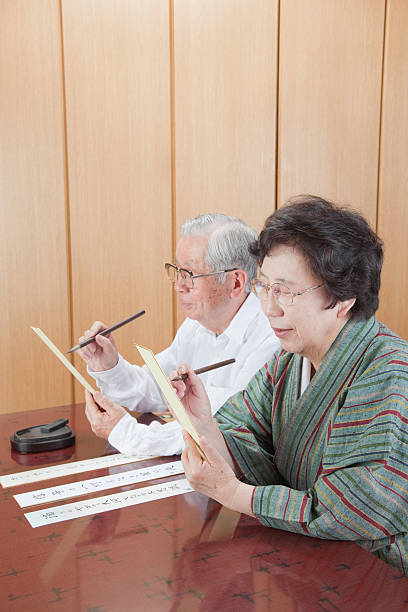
x=188 y=263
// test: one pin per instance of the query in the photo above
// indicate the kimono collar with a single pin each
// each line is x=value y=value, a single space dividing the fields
x=352 y=340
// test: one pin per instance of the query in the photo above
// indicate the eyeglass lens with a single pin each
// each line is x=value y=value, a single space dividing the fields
x=281 y=293
x=175 y=274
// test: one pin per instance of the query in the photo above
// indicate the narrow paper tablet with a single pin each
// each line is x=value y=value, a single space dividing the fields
x=169 y=393
x=62 y=358
x=96 y=505
x=94 y=485
x=67 y=469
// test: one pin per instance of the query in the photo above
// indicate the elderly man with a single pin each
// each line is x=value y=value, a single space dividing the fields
x=212 y=273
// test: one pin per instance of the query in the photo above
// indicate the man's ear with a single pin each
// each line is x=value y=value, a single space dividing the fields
x=240 y=279
x=344 y=308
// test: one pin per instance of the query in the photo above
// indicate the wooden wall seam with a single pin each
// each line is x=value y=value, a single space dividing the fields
x=380 y=119
x=277 y=131
x=67 y=202
x=172 y=151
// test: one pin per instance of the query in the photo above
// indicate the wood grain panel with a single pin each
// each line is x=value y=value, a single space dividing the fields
x=225 y=70
x=118 y=126
x=393 y=210
x=329 y=100
x=33 y=255
x=225 y=108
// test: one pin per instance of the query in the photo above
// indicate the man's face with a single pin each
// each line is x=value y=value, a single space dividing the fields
x=208 y=301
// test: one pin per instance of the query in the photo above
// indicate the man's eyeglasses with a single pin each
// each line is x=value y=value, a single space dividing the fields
x=282 y=294
x=186 y=276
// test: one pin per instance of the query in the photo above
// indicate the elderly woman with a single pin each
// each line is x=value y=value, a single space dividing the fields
x=318 y=441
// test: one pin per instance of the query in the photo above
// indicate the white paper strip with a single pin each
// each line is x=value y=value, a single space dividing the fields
x=108 y=502
x=65 y=469
x=169 y=394
x=93 y=485
x=63 y=359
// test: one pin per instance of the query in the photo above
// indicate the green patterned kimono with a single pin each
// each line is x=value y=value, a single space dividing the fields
x=332 y=462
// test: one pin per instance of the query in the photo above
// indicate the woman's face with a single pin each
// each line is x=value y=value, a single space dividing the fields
x=305 y=326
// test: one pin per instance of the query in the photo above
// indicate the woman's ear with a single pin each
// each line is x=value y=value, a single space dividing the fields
x=344 y=308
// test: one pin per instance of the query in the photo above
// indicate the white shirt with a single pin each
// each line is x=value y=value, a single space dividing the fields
x=248 y=338
x=305 y=376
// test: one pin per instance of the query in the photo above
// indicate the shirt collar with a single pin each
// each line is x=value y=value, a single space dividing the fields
x=238 y=327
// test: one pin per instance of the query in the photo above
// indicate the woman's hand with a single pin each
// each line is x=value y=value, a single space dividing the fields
x=194 y=398
x=193 y=395
x=214 y=477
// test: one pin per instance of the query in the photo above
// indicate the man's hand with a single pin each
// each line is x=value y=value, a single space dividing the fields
x=102 y=354
x=102 y=423
x=214 y=477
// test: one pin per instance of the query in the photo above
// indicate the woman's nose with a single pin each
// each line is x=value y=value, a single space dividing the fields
x=271 y=306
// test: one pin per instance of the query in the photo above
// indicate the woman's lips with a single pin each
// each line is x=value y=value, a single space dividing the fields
x=281 y=333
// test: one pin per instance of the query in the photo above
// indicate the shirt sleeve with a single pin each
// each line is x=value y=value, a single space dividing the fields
x=133 y=386
x=157 y=439
x=245 y=423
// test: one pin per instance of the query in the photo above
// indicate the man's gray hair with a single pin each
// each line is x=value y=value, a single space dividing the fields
x=228 y=243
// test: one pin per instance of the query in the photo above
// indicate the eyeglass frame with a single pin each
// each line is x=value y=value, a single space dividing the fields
x=191 y=275
x=269 y=286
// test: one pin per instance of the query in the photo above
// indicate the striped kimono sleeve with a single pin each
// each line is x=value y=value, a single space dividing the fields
x=245 y=421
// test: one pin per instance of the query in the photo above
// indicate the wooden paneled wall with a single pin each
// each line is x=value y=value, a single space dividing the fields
x=329 y=100
x=119 y=119
x=393 y=171
x=119 y=164
x=225 y=79
x=33 y=206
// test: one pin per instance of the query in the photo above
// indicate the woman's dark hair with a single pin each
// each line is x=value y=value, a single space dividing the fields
x=338 y=244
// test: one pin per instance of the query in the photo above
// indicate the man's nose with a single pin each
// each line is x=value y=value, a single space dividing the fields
x=180 y=284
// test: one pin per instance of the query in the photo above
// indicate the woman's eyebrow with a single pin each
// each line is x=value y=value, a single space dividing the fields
x=277 y=280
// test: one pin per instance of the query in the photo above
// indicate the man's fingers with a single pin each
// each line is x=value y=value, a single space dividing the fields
x=103 y=341
x=85 y=353
x=91 y=408
x=96 y=328
x=90 y=402
x=106 y=404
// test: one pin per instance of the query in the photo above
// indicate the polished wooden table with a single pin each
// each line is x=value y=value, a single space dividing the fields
x=182 y=553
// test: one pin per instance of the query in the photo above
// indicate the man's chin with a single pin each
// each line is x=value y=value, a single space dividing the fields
x=189 y=311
